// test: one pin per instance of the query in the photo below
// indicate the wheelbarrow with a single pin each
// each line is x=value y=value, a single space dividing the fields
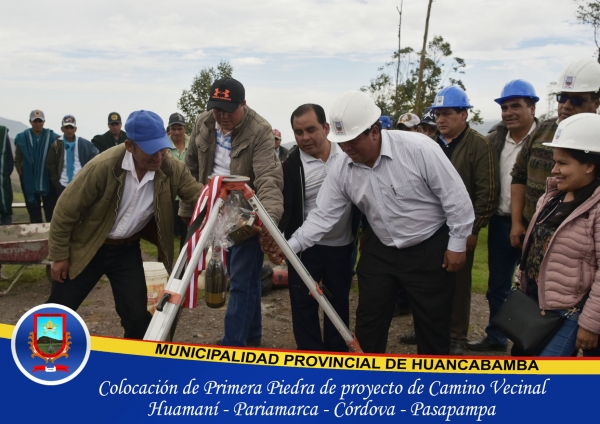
x=23 y=245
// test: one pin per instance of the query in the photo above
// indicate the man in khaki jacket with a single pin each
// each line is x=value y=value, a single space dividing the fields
x=232 y=139
x=102 y=213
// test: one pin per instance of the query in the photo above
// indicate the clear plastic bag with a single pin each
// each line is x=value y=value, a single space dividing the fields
x=236 y=215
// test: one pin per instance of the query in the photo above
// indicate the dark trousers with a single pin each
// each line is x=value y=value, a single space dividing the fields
x=48 y=202
x=123 y=267
x=502 y=262
x=60 y=189
x=382 y=269
x=461 y=303
x=332 y=266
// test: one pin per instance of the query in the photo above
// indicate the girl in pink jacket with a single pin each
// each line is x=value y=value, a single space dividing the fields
x=562 y=249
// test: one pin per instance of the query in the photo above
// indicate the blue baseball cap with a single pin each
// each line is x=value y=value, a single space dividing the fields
x=147 y=130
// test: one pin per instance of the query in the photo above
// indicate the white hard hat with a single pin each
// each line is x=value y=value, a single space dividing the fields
x=579 y=132
x=351 y=114
x=580 y=76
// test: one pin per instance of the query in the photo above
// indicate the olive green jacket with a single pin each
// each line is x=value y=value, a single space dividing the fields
x=252 y=155
x=476 y=160
x=86 y=211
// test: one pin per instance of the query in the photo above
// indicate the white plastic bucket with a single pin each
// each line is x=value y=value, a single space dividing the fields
x=156 y=278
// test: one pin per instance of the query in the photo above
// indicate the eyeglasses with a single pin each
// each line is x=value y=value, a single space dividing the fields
x=575 y=100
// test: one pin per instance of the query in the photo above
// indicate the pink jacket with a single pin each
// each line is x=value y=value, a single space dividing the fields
x=571 y=265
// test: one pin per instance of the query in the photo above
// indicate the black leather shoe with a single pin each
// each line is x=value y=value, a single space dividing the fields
x=456 y=348
x=486 y=345
x=409 y=338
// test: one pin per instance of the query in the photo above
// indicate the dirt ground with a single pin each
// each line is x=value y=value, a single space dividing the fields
x=204 y=325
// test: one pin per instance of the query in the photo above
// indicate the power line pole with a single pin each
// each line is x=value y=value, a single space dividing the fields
x=418 y=108
x=399 y=34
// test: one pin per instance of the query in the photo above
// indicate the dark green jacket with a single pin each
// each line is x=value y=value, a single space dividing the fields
x=476 y=161
x=86 y=211
x=106 y=141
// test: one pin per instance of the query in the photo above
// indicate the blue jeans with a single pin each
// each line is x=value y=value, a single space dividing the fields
x=563 y=342
x=502 y=262
x=243 y=316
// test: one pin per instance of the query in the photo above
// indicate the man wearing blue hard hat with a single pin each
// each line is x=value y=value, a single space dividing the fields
x=99 y=219
x=579 y=92
x=476 y=162
x=517 y=102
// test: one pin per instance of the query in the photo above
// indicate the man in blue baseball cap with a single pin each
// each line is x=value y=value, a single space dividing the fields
x=121 y=195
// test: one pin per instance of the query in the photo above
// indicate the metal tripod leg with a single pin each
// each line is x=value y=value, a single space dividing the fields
x=174 y=292
x=315 y=290
x=175 y=289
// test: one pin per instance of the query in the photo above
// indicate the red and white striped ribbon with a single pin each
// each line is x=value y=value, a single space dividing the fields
x=210 y=191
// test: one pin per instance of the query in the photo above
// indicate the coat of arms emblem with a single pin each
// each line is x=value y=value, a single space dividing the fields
x=50 y=341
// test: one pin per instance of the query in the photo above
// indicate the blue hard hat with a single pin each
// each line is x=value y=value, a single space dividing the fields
x=386 y=122
x=452 y=96
x=517 y=88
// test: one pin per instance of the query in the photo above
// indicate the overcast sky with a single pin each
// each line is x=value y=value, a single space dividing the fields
x=88 y=58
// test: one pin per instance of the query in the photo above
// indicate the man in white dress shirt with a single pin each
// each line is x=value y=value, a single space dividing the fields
x=330 y=261
x=420 y=217
x=100 y=217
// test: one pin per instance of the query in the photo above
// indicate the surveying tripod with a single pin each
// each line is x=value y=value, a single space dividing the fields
x=171 y=297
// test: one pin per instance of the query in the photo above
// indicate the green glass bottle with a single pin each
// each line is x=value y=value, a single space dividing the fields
x=215 y=289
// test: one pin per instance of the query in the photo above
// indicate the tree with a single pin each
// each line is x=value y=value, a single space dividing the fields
x=551 y=103
x=439 y=69
x=589 y=13
x=193 y=101
x=418 y=104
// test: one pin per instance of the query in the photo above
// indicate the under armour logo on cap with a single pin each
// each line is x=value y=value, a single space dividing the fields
x=221 y=95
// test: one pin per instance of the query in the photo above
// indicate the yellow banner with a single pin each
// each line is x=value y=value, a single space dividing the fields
x=397 y=363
